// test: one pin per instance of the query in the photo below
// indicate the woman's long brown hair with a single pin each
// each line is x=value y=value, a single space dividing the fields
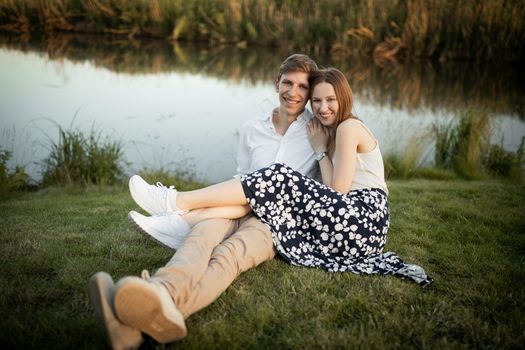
x=343 y=93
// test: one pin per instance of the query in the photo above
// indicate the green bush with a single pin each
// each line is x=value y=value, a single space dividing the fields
x=182 y=180
x=398 y=166
x=462 y=145
x=14 y=180
x=83 y=159
x=503 y=163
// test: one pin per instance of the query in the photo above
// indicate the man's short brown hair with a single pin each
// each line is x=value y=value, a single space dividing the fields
x=297 y=63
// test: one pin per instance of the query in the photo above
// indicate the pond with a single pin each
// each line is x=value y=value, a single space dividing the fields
x=180 y=106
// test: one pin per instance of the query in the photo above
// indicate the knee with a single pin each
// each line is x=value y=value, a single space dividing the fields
x=212 y=225
x=246 y=249
x=229 y=252
x=207 y=234
x=255 y=232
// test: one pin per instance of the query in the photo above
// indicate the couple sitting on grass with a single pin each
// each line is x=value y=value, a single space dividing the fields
x=274 y=206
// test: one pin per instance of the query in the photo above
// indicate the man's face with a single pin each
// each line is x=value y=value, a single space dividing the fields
x=293 y=92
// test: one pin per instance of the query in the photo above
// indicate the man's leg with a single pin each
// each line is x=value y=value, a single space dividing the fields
x=187 y=267
x=118 y=335
x=249 y=246
x=150 y=304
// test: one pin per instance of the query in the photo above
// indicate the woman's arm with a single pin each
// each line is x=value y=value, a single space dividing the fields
x=319 y=136
x=349 y=134
x=327 y=169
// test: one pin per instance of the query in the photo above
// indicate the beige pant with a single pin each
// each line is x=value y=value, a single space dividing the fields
x=213 y=255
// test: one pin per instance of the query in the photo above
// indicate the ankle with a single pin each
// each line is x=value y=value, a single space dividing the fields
x=174 y=201
x=179 y=201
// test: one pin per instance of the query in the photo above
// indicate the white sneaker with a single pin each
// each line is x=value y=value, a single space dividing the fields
x=153 y=199
x=148 y=307
x=119 y=335
x=170 y=229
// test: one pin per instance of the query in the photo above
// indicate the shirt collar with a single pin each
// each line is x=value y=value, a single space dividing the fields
x=303 y=117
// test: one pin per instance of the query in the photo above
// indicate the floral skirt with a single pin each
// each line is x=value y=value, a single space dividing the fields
x=313 y=225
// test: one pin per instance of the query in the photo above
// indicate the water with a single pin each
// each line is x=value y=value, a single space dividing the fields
x=182 y=107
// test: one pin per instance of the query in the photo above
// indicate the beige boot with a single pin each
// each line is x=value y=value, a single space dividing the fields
x=147 y=306
x=119 y=336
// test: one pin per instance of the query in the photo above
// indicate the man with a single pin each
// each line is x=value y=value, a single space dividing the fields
x=216 y=251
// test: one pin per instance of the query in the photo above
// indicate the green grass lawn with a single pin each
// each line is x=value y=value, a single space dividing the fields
x=469 y=236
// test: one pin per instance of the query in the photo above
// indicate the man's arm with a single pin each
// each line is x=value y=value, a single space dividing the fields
x=243 y=152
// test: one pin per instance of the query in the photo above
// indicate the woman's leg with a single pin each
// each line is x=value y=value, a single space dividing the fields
x=233 y=212
x=224 y=194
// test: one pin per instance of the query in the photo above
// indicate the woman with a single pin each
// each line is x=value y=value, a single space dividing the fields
x=339 y=225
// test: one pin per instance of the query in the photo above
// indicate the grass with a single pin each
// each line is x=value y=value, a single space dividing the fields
x=405 y=163
x=387 y=30
x=11 y=180
x=464 y=146
x=500 y=162
x=469 y=236
x=462 y=149
x=80 y=157
x=184 y=178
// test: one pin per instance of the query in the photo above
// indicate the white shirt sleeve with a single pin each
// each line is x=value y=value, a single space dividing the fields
x=243 y=152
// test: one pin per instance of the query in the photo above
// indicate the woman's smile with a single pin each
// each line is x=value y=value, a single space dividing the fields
x=324 y=103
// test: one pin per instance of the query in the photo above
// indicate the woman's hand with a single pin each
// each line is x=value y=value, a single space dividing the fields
x=318 y=135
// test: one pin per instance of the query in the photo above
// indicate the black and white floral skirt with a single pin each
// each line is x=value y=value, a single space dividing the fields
x=313 y=225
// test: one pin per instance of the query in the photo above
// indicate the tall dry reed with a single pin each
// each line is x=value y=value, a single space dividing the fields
x=463 y=144
x=388 y=30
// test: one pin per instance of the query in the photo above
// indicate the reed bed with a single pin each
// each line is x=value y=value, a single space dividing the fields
x=387 y=30
x=464 y=146
x=461 y=148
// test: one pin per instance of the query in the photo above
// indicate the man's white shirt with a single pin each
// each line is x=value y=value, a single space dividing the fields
x=260 y=146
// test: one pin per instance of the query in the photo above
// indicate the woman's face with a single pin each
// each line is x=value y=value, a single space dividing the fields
x=324 y=104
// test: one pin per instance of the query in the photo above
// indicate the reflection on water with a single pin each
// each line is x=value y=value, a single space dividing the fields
x=186 y=102
x=496 y=87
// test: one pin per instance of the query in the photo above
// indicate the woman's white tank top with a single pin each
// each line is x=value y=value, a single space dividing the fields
x=369 y=169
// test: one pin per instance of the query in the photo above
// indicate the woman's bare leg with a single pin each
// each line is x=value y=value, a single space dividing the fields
x=233 y=212
x=224 y=194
